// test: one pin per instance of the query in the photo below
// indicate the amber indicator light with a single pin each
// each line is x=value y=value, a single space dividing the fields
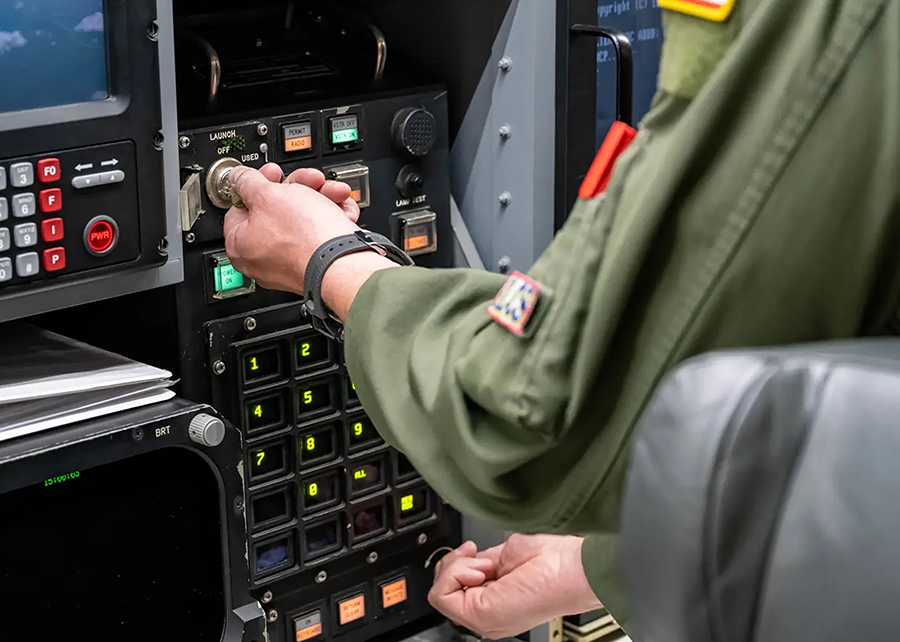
x=352 y=609
x=417 y=242
x=394 y=593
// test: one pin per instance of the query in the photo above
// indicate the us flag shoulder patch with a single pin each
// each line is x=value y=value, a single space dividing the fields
x=514 y=305
x=715 y=10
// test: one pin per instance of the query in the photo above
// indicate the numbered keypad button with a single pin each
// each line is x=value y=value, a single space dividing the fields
x=21 y=174
x=5 y=242
x=26 y=235
x=24 y=205
x=4 y=208
x=27 y=264
x=2 y=178
x=6 y=272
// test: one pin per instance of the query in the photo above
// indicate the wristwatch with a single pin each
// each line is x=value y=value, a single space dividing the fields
x=329 y=252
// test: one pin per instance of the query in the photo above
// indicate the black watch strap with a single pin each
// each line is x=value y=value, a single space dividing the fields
x=324 y=257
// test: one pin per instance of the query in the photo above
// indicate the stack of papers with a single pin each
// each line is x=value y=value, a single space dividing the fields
x=48 y=381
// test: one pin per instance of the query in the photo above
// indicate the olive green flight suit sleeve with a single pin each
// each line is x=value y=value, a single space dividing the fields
x=759 y=205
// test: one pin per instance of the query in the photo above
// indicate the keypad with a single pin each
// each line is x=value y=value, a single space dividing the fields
x=21 y=174
x=27 y=265
x=26 y=235
x=5 y=270
x=4 y=239
x=23 y=205
x=2 y=178
x=4 y=208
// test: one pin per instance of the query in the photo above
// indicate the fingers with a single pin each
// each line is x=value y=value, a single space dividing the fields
x=351 y=209
x=272 y=172
x=250 y=184
x=311 y=178
x=337 y=192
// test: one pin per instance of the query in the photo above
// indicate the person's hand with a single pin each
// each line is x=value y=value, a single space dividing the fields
x=514 y=587
x=273 y=239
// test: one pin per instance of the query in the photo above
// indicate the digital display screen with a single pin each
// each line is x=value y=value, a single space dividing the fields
x=414 y=504
x=361 y=431
x=366 y=477
x=313 y=398
x=320 y=491
x=266 y=461
x=316 y=446
x=264 y=413
x=344 y=129
x=297 y=137
x=311 y=350
x=226 y=278
x=261 y=364
x=52 y=53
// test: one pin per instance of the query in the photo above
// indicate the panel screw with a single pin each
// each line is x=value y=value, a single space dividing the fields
x=505 y=64
x=372 y=558
x=153 y=31
x=272 y=615
x=138 y=434
x=321 y=577
x=505 y=199
x=267 y=597
x=504 y=265
x=184 y=142
x=239 y=505
x=190 y=237
x=422 y=539
x=263 y=129
x=219 y=367
x=506 y=132
x=163 y=247
x=249 y=324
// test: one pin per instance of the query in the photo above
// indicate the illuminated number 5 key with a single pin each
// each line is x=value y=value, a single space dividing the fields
x=307 y=397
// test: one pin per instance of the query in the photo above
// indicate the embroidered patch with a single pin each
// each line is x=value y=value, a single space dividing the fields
x=514 y=305
x=715 y=10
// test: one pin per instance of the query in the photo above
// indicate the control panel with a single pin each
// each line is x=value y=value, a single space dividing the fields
x=393 y=152
x=67 y=213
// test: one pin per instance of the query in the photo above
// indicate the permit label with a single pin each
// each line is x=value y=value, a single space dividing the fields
x=715 y=10
x=514 y=305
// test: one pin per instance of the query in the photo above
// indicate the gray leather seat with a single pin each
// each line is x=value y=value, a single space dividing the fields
x=763 y=502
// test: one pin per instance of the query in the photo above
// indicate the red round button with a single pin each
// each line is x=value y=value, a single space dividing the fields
x=100 y=235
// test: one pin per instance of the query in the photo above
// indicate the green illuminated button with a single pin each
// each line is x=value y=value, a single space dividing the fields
x=227 y=281
x=311 y=350
x=314 y=398
x=361 y=431
x=319 y=492
x=344 y=129
x=265 y=413
x=367 y=476
x=316 y=446
x=345 y=136
x=414 y=504
x=266 y=461
x=260 y=365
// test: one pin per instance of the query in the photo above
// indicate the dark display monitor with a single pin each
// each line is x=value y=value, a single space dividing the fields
x=52 y=53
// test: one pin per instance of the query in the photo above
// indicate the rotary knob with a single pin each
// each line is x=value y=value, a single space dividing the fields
x=410 y=183
x=206 y=430
x=414 y=131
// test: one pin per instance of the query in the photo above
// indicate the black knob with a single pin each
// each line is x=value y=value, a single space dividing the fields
x=410 y=182
x=414 y=131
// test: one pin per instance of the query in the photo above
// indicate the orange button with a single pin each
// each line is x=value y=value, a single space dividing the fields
x=308 y=626
x=309 y=633
x=393 y=593
x=298 y=144
x=352 y=609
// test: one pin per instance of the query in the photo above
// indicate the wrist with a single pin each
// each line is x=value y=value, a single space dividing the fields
x=346 y=276
x=585 y=598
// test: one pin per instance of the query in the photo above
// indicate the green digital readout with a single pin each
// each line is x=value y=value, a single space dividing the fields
x=314 y=398
x=361 y=431
x=311 y=350
x=227 y=278
x=316 y=446
x=62 y=478
x=365 y=477
x=320 y=491
x=263 y=413
x=266 y=461
x=414 y=504
x=261 y=364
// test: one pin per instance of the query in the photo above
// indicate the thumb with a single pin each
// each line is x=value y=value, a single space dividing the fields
x=250 y=184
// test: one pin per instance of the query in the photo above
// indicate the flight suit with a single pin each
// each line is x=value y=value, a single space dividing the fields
x=758 y=205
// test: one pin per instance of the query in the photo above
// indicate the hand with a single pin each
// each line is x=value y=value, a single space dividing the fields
x=514 y=587
x=273 y=239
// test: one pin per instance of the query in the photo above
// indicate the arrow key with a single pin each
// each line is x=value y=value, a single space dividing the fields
x=86 y=181
x=117 y=176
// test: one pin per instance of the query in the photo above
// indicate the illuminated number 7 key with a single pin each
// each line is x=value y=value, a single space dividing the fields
x=259 y=458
